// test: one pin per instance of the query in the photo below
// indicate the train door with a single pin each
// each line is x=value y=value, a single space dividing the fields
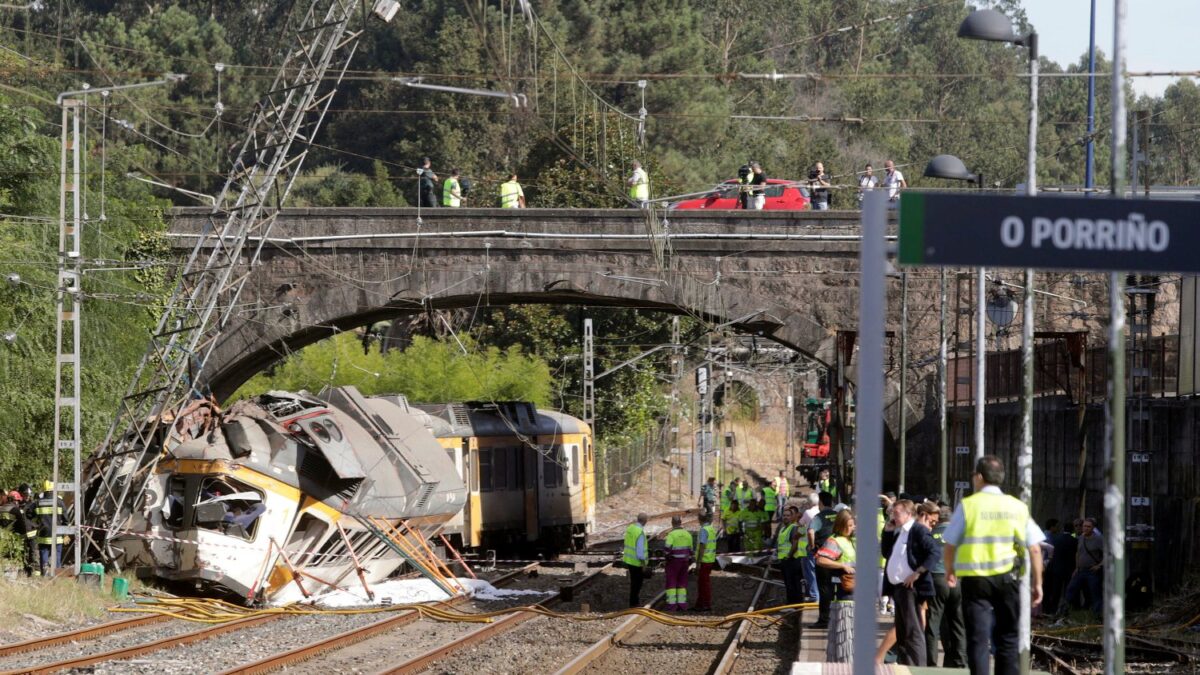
x=554 y=498
x=533 y=478
x=473 y=513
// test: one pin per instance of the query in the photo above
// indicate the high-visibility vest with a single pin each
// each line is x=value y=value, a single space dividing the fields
x=725 y=498
x=770 y=499
x=826 y=485
x=783 y=542
x=880 y=521
x=510 y=195
x=744 y=495
x=632 y=534
x=706 y=551
x=679 y=543
x=995 y=528
x=847 y=546
x=449 y=189
x=848 y=555
x=640 y=190
x=734 y=521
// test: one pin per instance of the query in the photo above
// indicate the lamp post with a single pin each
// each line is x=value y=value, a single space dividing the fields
x=992 y=26
x=949 y=167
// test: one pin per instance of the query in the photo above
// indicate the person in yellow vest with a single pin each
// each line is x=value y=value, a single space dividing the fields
x=744 y=494
x=788 y=543
x=727 y=498
x=826 y=484
x=837 y=556
x=679 y=557
x=452 y=191
x=987 y=536
x=635 y=558
x=733 y=523
x=771 y=503
x=752 y=532
x=511 y=194
x=639 y=186
x=706 y=559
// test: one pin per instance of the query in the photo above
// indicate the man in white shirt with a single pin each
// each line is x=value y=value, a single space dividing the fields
x=893 y=180
x=866 y=182
x=911 y=552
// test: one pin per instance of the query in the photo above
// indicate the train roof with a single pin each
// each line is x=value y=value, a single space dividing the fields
x=502 y=418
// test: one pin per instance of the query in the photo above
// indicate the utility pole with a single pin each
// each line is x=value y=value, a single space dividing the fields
x=589 y=388
x=68 y=394
x=1114 y=456
x=674 y=482
x=944 y=461
x=903 y=375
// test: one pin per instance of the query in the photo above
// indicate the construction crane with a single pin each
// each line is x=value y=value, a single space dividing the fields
x=153 y=415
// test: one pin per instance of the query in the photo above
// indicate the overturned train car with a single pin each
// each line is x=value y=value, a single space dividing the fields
x=276 y=493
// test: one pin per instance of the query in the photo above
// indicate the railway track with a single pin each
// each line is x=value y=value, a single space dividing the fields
x=89 y=637
x=638 y=643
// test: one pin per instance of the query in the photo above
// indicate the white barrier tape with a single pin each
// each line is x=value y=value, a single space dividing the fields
x=176 y=540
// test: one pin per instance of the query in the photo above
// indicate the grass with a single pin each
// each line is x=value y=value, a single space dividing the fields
x=61 y=600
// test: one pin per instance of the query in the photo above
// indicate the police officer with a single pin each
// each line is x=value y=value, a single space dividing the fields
x=981 y=546
x=636 y=556
x=426 y=179
x=48 y=511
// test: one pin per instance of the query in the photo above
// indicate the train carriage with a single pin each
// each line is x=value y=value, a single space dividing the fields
x=530 y=474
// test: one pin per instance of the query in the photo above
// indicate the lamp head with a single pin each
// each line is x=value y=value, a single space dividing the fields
x=948 y=167
x=988 y=25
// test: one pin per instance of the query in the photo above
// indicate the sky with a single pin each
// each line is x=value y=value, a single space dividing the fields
x=1159 y=35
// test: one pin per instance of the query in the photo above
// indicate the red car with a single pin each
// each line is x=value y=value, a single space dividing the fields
x=782 y=195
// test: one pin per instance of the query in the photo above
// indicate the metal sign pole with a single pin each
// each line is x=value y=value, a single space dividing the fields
x=1114 y=470
x=868 y=473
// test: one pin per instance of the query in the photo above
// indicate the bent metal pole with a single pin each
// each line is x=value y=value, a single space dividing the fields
x=868 y=458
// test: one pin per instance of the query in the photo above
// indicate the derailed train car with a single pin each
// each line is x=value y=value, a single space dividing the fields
x=272 y=493
x=530 y=474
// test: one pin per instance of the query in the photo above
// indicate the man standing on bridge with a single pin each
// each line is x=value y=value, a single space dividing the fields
x=635 y=558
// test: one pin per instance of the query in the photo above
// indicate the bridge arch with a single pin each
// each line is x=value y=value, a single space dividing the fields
x=787 y=277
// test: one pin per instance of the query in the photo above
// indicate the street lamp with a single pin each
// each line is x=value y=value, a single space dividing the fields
x=949 y=167
x=992 y=26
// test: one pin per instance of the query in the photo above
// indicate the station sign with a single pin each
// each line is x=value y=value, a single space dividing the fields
x=1072 y=233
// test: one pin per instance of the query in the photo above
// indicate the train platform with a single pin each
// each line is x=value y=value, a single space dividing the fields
x=810 y=657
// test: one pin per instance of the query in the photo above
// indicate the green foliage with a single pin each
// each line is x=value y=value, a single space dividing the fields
x=428 y=371
x=330 y=186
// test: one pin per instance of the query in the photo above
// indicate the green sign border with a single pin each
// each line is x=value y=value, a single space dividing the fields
x=912 y=229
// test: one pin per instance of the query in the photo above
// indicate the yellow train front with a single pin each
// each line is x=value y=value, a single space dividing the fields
x=530 y=474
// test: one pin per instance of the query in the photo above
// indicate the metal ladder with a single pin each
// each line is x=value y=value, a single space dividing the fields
x=209 y=287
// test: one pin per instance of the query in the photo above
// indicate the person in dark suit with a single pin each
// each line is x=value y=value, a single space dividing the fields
x=911 y=553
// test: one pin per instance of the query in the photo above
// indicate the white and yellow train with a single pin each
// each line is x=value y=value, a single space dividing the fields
x=530 y=474
x=276 y=491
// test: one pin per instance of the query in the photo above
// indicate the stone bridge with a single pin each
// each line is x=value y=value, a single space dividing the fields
x=788 y=276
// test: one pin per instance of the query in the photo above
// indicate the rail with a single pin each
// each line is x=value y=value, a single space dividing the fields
x=599 y=648
x=347 y=638
x=78 y=634
x=734 y=649
x=508 y=623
